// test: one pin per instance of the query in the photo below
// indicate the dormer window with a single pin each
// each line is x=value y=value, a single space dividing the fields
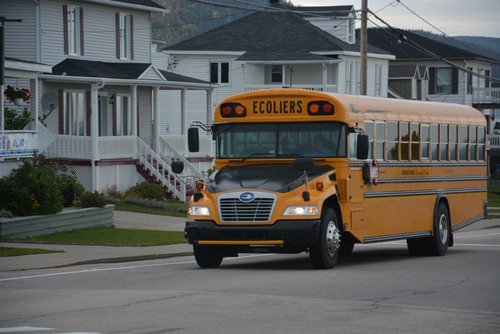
x=351 y=36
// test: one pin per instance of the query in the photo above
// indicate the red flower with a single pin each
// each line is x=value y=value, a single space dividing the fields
x=16 y=93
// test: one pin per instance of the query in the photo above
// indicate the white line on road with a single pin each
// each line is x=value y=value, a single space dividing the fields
x=23 y=329
x=119 y=268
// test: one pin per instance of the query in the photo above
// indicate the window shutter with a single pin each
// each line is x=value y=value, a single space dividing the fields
x=454 y=80
x=131 y=37
x=81 y=33
x=117 y=24
x=61 y=111
x=114 y=117
x=65 y=28
x=432 y=80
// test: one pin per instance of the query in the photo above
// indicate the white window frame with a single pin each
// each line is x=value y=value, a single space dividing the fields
x=75 y=113
x=125 y=36
x=74 y=24
x=123 y=115
x=219 y=72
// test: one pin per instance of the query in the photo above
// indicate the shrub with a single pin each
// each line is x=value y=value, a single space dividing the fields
x=146 y=190
x=113 y=192
x=6 y=214
x=70 y=188
x=31 y=190
x=92 y=200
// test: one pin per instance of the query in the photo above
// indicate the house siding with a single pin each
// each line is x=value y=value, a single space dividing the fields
x=16 y=31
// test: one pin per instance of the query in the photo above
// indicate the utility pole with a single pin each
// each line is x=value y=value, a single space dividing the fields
x=364 y=46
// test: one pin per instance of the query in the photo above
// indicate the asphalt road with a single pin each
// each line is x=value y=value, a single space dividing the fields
x=377 y=289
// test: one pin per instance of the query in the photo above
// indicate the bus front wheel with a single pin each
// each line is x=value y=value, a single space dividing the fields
x=325 y=251
x=207 y=256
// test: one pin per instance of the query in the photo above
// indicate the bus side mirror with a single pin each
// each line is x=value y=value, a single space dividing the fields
x=193 y=140
x=177 y=167
x=363 y=147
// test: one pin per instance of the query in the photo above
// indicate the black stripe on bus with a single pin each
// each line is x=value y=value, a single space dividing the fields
x=391 y=237
x=467 y=223
x=402 y=193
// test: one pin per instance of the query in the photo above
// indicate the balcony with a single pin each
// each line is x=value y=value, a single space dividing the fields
x=486 y=98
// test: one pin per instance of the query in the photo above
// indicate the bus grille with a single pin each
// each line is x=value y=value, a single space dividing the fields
x=233 y=210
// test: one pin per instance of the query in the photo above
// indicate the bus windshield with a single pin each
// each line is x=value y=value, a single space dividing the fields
x=281 y=140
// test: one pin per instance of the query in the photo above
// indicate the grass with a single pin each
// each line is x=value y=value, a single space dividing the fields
x=174 y=209
x=13 y=251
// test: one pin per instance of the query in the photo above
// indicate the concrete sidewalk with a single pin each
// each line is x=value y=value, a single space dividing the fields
x=77 y=255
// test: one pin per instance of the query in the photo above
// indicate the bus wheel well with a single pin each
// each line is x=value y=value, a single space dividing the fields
x=333 y=202
x=442 y=199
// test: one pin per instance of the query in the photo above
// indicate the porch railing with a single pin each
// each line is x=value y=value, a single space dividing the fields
x=486 y=95
x=319 y=88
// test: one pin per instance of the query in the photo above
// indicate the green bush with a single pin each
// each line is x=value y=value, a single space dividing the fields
x=70 y=188
x=92 y=200
x=30 y=190
x=146 y=190
x=6 y=214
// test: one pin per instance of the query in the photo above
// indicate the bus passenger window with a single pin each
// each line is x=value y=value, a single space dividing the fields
x=380 y=141
x=481 y=140
x=463 y=140
x=405 y=141
x=435 y=141
x=415 y=141
x=444 y=142
x=453 y=142
x=392 y=141
x=369 y=130
x=426 y=140
x=472 y=142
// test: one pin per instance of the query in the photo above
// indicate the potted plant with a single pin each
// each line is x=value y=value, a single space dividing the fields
x=17 y=95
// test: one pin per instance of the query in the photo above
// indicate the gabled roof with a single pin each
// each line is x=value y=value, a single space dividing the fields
x=393 y=40
x=119 y=72
x=271 y=35
x=148 y=5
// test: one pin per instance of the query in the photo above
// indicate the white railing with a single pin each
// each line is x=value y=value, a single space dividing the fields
x=18 y=144
x=169 y=154
x=158 y=167
x=494 y=141
x=117 y=147
x=70 y=147
x=319 y=88
x=486 y=95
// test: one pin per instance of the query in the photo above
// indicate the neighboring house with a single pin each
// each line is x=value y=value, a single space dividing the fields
x=100 y=102
x=310 y=47
x=426 y=69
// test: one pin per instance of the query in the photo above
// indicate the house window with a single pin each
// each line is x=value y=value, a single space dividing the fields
x=350 y=81
x=443 y=80
x=219 y=73
x=74 y=113
x=378 y=79
x=123 y=115
x=124 y=36
x=277 y=74
x=73 y=30
x=469 y=80
x=487 y=80
x=350 y=31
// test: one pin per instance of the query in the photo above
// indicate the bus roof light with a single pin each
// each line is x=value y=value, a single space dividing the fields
x=233 y=110
x=320 y=108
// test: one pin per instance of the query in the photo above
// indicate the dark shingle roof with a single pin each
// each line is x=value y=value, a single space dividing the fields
x=145 y=3
x=99 y=69
x=180 y=78
x=393 y=41
x=270 y=35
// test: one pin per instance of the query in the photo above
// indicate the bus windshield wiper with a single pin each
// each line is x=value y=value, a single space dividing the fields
x=253 y=155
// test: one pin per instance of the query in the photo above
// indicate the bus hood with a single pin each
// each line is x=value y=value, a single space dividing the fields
x=275 y=177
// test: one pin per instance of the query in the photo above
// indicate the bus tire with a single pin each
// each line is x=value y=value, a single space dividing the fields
x=207 y=256
x=417 y=246
x=325 y=251
x=346 y=244
x=438 y=243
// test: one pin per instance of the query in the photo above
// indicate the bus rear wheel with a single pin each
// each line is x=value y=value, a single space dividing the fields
x=325 y=251
x=438 y=243
x=207 y=256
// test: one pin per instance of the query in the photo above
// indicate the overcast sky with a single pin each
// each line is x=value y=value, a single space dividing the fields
x=453 y=17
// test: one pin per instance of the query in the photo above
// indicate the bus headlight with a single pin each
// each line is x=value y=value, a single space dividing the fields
x=198 y=211
x=301 y=211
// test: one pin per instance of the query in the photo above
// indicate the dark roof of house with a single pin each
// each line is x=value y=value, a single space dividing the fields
x=145 y=3
x=327 y=10
x=270 y=35
x=399 y=43
x=99 y=69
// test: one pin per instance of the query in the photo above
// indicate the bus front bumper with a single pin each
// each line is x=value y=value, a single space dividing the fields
x=283 y=233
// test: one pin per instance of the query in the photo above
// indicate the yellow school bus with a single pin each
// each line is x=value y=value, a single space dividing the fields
x=304 y=171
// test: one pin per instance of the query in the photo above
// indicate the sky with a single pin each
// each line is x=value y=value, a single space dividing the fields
x=453 y=17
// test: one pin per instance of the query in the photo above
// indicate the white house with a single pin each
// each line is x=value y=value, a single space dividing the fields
x=97 y=89
x=307 y=47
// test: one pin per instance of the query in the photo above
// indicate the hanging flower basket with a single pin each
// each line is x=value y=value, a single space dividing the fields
x=17 y=95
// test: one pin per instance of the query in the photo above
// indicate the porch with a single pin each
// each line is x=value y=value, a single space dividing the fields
x=486 y=98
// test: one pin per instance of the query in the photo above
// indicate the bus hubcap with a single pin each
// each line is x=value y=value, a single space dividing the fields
x=332 y=238
x=443 y=229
